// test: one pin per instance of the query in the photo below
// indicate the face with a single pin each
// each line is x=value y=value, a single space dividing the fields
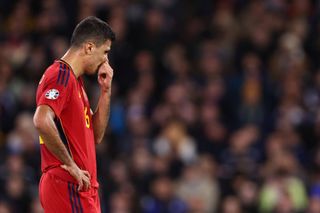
x=97 y=55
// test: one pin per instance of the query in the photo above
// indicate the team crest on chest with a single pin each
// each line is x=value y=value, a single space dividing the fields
x=52 y=94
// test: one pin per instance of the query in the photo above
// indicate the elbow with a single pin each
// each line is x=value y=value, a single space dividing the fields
x=98 y=134
x=38 y=122
x=42 y=118
x=98 y=140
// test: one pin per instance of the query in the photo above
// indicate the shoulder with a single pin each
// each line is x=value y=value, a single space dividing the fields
x=58 y=73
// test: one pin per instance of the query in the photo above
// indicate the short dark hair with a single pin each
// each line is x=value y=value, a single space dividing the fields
x=93 y=29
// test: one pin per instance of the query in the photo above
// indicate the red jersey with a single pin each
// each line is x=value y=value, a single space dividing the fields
x=65 y=95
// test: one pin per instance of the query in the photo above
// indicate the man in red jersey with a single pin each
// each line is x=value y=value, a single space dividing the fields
x=68 y=128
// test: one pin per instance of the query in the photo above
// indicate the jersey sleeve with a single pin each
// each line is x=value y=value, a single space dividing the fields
x=55 y=89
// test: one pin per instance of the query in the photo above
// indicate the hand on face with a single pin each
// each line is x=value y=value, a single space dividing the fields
x=105 y=74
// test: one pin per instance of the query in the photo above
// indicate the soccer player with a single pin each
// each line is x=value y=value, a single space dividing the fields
x=67 y=127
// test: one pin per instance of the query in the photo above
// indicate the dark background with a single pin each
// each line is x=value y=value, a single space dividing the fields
x=215 y=104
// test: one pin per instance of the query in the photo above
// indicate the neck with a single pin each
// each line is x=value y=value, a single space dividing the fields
x=73 y=58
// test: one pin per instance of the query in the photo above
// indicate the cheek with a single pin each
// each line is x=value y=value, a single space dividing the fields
x=92 y=65
x=103 y=59
x=96 y=62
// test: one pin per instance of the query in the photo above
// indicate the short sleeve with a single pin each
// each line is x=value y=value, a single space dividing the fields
x=55 y=89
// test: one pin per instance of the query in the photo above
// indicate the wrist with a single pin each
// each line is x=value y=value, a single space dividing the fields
x=72 y=165
x=106 y=91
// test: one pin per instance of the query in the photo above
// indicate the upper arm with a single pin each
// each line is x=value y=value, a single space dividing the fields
x=55 y=89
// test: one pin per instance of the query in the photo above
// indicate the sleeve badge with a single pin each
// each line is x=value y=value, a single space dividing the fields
x=52 y=94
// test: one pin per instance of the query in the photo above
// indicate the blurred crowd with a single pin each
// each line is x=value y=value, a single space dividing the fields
x=214 y=103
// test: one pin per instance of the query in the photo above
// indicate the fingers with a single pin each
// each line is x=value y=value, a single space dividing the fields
x=80 y=185
x=87 y=174
x=105 y=67
x=82 y=176
x=84 y=183
x=103 y=75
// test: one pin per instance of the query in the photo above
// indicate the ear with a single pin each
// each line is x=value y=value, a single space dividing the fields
x=89 y=48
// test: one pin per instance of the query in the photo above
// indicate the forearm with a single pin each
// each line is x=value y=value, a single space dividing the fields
x=54 y=144
x=46 y=127
x=101 y=116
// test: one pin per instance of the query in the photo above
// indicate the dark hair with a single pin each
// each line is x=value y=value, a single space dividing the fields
x=93 y=29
